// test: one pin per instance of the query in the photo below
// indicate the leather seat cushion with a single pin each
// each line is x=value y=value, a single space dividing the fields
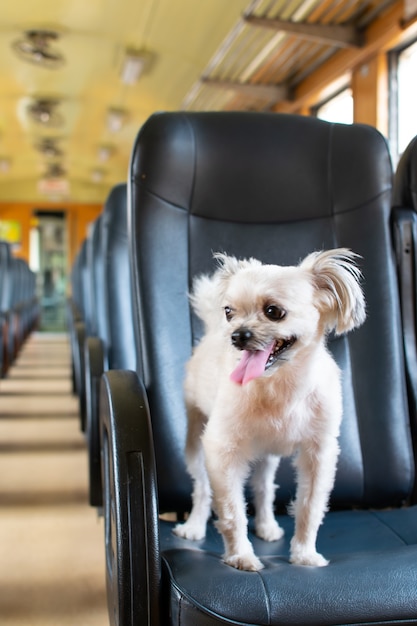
x=369 y=564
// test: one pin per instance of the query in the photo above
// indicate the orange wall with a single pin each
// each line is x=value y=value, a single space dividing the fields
x=78 y=218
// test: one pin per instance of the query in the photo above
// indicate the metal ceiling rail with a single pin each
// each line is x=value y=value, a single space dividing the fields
x=341 y=36
x=274 y=93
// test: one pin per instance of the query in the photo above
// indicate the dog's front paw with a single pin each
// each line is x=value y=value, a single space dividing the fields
x=300 y=555
x=269 y=531
x=248 y=562
x=191 y=531
x=313 y=559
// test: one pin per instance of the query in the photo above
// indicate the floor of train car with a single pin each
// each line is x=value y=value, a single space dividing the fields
x=52 y=570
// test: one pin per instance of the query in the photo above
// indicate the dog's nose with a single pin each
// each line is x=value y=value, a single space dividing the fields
x=241 y=337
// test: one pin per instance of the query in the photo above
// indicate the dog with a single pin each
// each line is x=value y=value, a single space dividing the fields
x=261 y=385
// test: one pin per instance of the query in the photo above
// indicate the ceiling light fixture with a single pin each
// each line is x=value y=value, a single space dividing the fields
x=34 y=46
x=55 y=170
x=4 y=165
x=54 y=183
x=105 y=152
x=48 y=147
x=115 y=119
x=134 y=64
x=97 y=175
x=43 y=111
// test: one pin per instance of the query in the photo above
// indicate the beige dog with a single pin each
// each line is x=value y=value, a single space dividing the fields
x=260 y=385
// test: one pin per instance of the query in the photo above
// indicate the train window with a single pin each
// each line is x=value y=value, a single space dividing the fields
x=403 y=98
x=338 y=108
x=407 y=96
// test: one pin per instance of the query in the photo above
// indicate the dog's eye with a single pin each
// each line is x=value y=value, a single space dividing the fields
x=274 y=313
x=228 y=313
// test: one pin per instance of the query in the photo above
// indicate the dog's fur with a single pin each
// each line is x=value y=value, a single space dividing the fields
x=244 y=417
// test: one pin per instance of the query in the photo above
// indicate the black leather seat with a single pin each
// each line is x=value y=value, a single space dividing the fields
x=404 y=220
x=5 y=303
x=25 y=302
x=15 y=308
x=83 y=323
x=91 y=285
x=111 y=345
x=405 y=180
x=275 y=187
x=19 y=304
x=75 y=314
x=78 y=313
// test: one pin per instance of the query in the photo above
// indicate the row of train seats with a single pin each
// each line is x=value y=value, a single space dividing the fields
x=275 y=187
x=101 y=327
x=19 y=310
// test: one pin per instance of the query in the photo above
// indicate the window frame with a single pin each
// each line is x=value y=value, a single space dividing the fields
x=394 y=58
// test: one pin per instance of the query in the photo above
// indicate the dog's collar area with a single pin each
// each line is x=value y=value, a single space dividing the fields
x=280 y=346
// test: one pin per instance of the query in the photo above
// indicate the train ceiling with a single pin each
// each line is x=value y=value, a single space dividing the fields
x=79 y=78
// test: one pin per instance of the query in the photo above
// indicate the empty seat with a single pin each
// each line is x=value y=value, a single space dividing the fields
x=404 y=220
x=82 y=313
x=5 y=300
x=113 y=345
x=75 y=312
x=19 y=304
x=78 y=313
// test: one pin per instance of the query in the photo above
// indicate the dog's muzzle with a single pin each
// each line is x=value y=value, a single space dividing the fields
x=255 y=361
x=241 y=337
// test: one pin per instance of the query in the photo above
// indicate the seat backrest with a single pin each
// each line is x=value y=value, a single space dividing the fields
x=121 y=351
x=5 y=303
x=98 y=326
x=92 y=275
x=76 y=291
x=83 y=286
x=5 y=275
x=404 y=225
x=405 y=182
x=274 y=187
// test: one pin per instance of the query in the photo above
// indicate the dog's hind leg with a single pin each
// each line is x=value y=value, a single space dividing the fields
x=263 y=488
x=195 y=526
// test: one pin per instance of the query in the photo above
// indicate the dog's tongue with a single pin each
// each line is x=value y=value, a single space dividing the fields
x=251 y=365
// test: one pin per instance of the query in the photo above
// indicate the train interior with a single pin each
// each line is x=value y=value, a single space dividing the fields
x=136 y=138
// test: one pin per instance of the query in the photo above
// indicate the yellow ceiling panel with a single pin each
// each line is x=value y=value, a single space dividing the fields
x=92 y=37
x=60 y=106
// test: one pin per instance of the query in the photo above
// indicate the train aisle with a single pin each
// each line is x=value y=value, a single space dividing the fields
x=52 y=570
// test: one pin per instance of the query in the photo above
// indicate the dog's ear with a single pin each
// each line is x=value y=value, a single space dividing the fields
x=208 y=290
x=207 y=297
x=336 y=278
x=227 y=265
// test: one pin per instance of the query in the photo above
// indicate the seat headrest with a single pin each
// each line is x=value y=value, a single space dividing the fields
x=114 y=214
x=323 y=162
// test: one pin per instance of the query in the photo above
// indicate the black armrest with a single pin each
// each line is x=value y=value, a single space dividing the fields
x=130 y=501
x=95 y=364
